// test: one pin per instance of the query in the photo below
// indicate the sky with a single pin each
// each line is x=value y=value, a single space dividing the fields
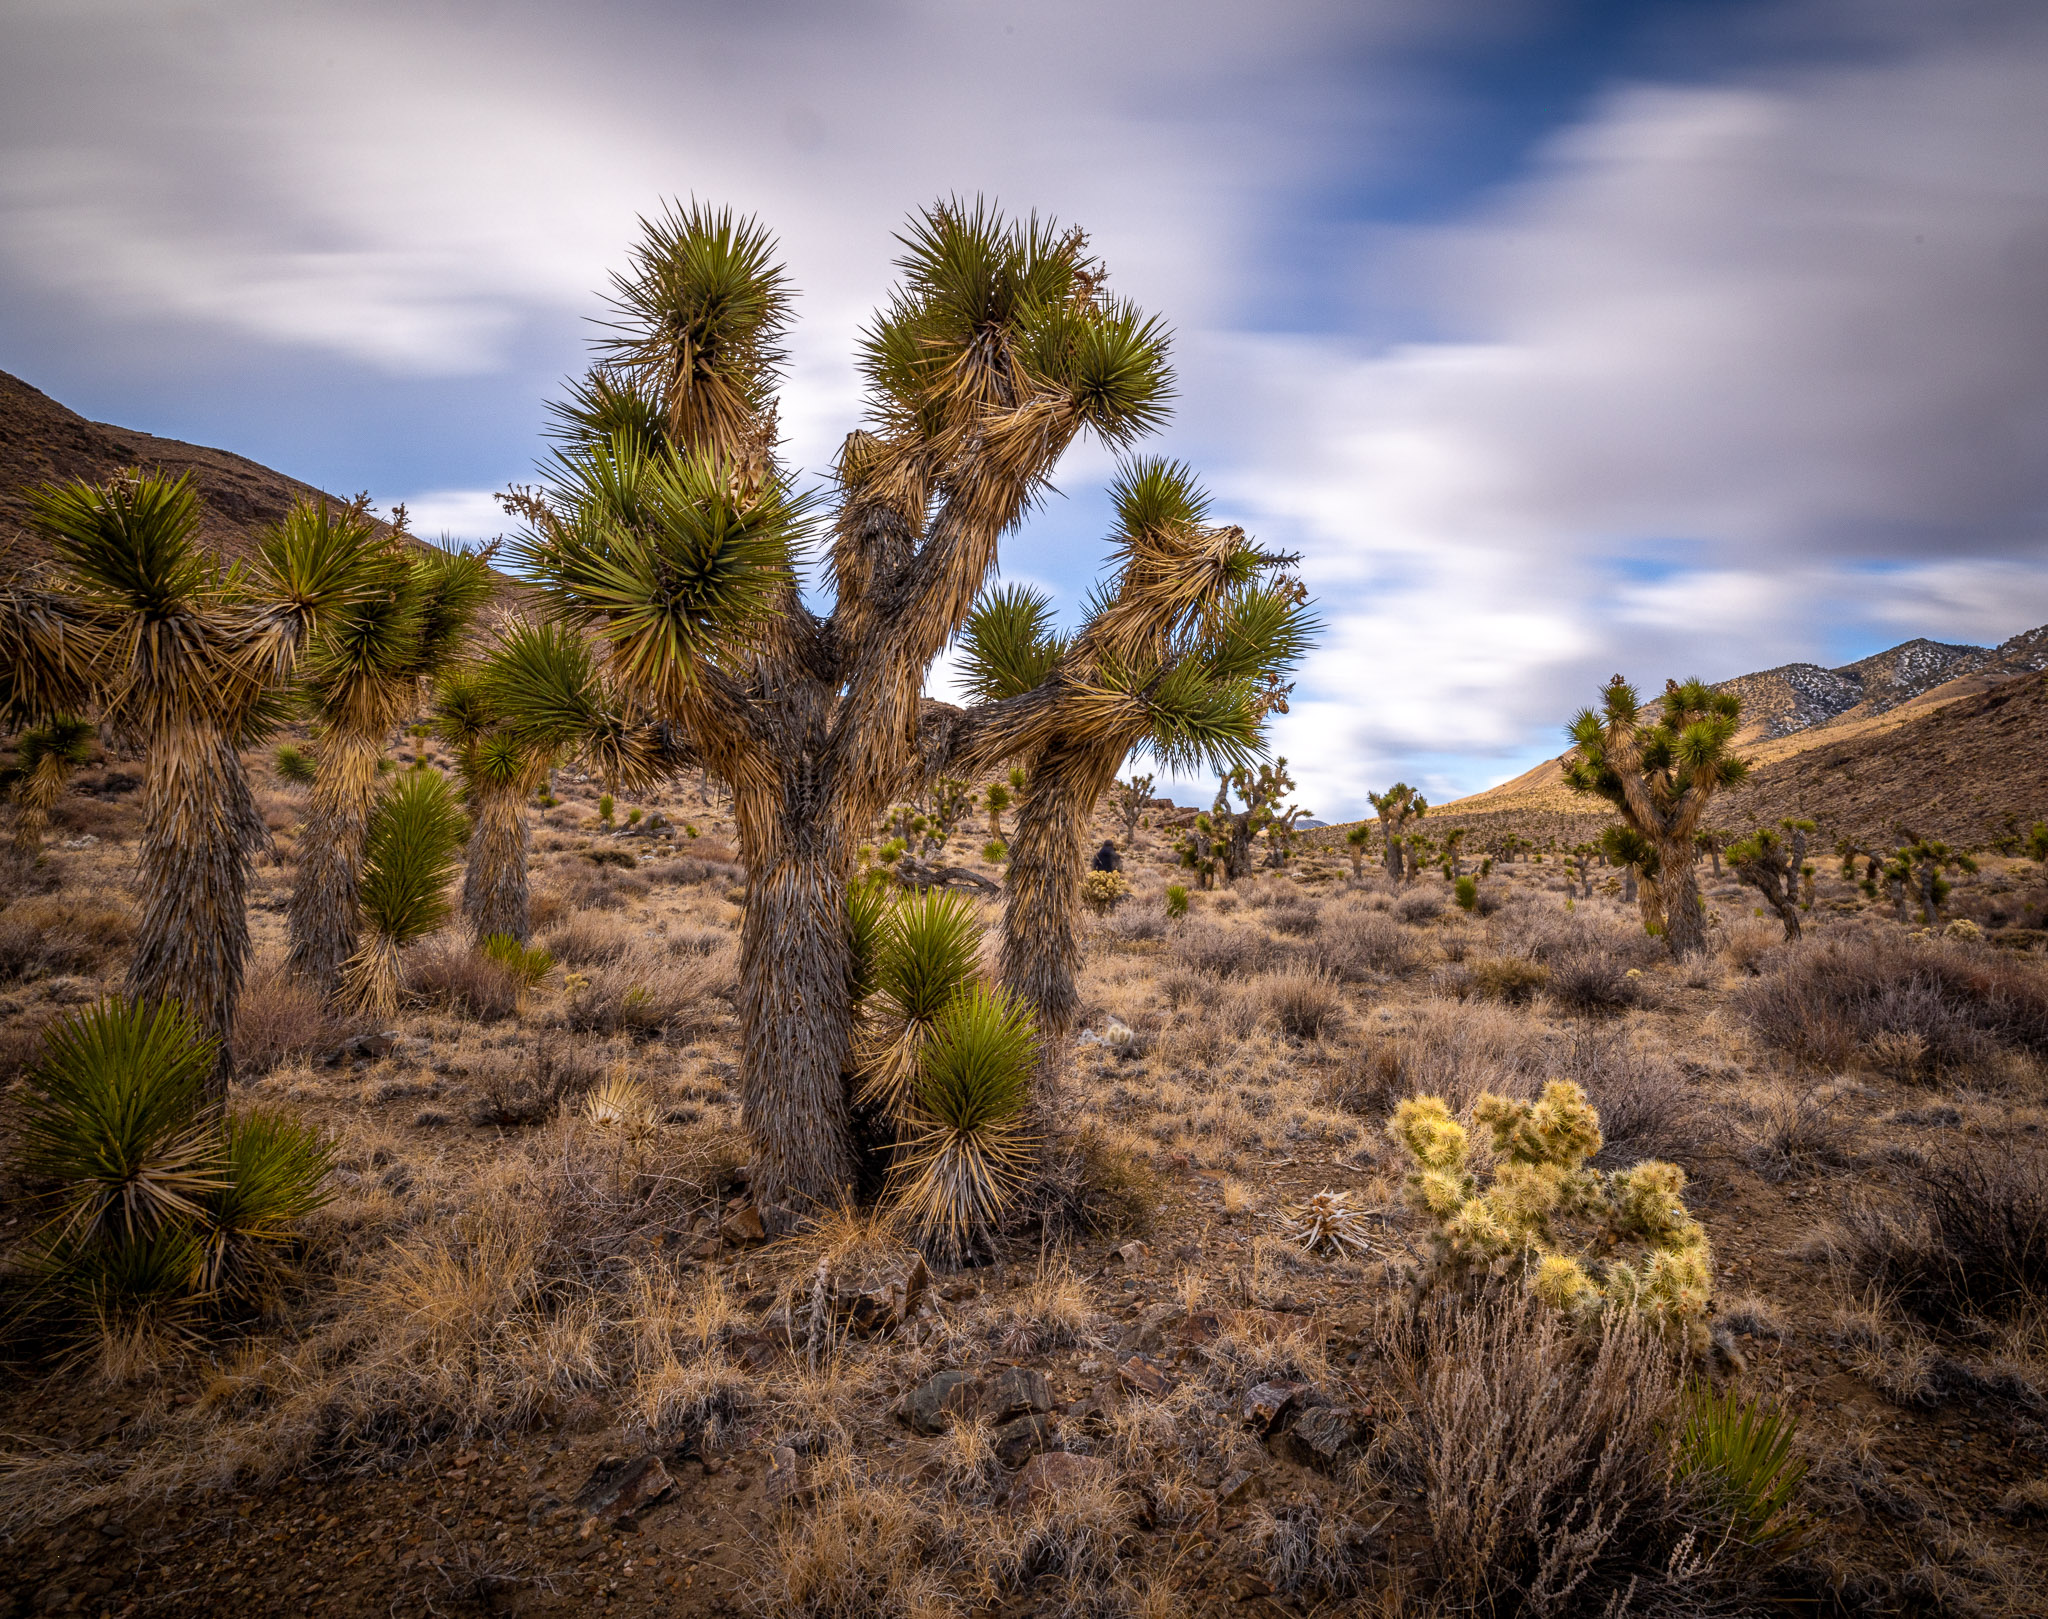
x=1559 y=339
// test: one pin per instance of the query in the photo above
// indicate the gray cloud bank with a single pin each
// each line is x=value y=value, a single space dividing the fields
x=1735 y=371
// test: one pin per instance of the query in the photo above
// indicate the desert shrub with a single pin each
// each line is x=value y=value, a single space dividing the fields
x=279 y=1019
x=527 y=964
x=1304 y=1002
x=22 y=874
x=1510 y=979
x=623 y=859
x=1295 y=915
x=444 y=971
x=1647 y=1108
x=1964 y=1235
x=1748 y=941
x=1356 y=946
x=1543 y=1202
x=1826 y=1001
x=1457 y=1053
x=645 y=999
x=1549 y=933
x=1134 y=923
x=1466 y=892
x=1798 y=1132
x=1593 y=983
x=1302 y=1548
x=46 y=935
x=586 y=941
x=1544 y=1465
x=1184 y=988
x=1226 y=952
x=602 y=888
x=531 y=1084
x=1419 y=906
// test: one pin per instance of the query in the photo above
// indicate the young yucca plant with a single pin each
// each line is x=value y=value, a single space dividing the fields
x=527 y=963
x=1740 y=1452
x=128 y=1298
x=414 y=835
x=969 y=1153
x=295 y=766
x=925 y=957
x=43 y=761
x=1176 y=900
x=115 y=1126
x=276 y=1174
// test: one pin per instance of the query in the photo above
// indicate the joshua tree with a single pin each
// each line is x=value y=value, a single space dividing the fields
x=952 y=802
x=1355 y=841
x=1661 y=776
x=1262 y=791
x=1771 y=864
x=1454 y=852
x=1200 y=851
x=410 y=843
x=1580 y=863
x=44 y=757
x=1131 y=798
x=666 y=528
x=1632 y=853
x=187 y=660
x=1710 y=841
x=363 y=677
x=998 y=799
x=1394 y=807
x=1923 y=862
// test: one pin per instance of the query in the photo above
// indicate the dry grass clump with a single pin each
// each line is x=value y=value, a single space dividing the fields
x=1091 y=1185
x=646 y=997
x=1453 y=1051
x=1358 y=945
x=602 y=888
x=1594 y=983
x=45 y=935
x=1137 y=921
x=584 y=941
x=530 y=1084
x=444 y=971
x=280 y=1020
x=1964 y=1236
x=1826 y=1001
x=1543 y=1463
x=1294 y=914
x=1227 y=952
x=1647 y=1108
x=1513 y=980
x=1303 y=1001
x=1419 y=905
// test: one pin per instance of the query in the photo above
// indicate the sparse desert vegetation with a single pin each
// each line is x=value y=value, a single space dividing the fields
x=652 y=1141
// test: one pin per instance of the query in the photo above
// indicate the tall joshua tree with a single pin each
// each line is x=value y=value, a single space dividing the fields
x=363 y=677
x=1770 y=862
x=189 y=661
x=44 y=758
x=1661 y=769
x=1131 y=798
x=668 y=531
x=1394 y=807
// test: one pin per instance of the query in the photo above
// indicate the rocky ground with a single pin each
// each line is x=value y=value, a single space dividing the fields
x=542 y=1358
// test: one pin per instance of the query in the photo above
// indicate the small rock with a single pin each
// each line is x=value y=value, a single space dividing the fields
x=1269 y=1403
x=1132 y=1253
x=1012 y=1392
x=1017 y=1442
x=1052 y=1473
x=618 y=1487
x=1141 y=1374
x=743 y=1224
x=1321 y=1434
x=927 y=1408
x=1194 y=1329
x=785 y=1482
x=1233 y=1488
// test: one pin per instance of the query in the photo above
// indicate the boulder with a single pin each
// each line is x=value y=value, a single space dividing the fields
x=1013 y=1392
x=932 y=1404
x=621 y=1487
x=1017 y=1442
x=1052 y=1473
x=1268 y=1405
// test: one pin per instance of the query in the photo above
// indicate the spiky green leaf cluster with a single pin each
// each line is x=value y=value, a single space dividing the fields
x=415 y=838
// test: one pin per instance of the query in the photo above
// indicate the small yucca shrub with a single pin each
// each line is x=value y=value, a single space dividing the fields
x=295 y=766
x=604 y=808
x=527 y=963
x=1466 y=892
x=413 y=847
x=1740 y=1454
x=969 y=1152
x=924 y=953
x=995 y=851
x=159 y=1207
x=1176 y=900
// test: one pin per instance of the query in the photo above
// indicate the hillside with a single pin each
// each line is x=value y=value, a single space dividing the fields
x=41 y=440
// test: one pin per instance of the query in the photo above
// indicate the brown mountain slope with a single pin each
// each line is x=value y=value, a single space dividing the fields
x=40 y=440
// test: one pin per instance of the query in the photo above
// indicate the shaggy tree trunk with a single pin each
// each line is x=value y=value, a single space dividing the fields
x=39 y=795
x=494 y=883
x=1930 y=907
x=330 y=860
x=1390 y=857
x=200 y=826
x=1685 y=924
x=796 y=1011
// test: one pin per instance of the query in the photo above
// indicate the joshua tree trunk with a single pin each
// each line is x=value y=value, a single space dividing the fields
x=39 y=795
x=796 y=1010
x=1685 y=925
x=200 y=827
x=330 y=859
x=1930 y=907
x=494 y=883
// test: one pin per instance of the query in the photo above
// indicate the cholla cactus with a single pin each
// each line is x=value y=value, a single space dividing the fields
x=1105 y=890
x=1544 y=1201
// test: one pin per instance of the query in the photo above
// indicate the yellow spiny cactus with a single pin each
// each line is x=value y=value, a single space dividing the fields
x=1543 y=1201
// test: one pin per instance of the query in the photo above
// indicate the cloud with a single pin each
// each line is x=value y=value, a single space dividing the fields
x=466 y=516
x=1740 y=372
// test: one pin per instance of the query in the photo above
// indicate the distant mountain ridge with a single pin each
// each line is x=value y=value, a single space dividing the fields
x=1797 y=696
